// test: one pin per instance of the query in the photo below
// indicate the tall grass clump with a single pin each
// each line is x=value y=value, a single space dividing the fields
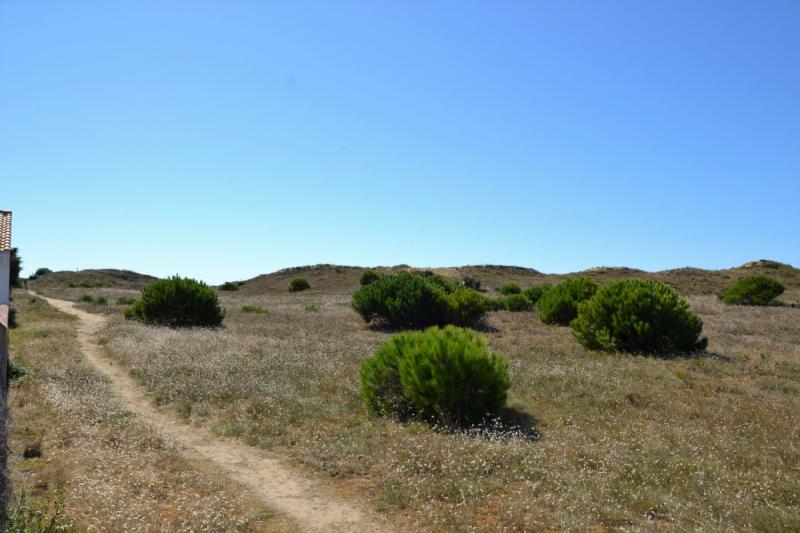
x=443 y=375
x=299 y=284
x=638 y=316
x=369 y=276
x=559 y=305
x=177 y=302
x=753 y=290
x=410 y=300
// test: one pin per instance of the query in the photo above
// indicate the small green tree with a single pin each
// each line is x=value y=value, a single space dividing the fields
x=299 y=284
x=753 y=290
x=639 y=316
x=559 y=305
x=16 y=267
x=178 y=302
x=510 y=288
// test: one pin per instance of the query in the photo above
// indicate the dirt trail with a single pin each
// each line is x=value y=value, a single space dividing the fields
x=277 y=485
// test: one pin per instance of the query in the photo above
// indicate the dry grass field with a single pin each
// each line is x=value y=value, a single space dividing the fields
x=590 y=442
x=112 y=472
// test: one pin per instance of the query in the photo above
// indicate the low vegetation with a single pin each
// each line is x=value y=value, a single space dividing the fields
x=444 y=375
x=178 y=302
x=299 y=284
x=410 y=300
x=754 y=290
x=510 y=288
x=559 y=305
x=369 y=276
x=94 y=300
x=231 y=285
x=251 y=308
x=638 y=316
x=535 y=293
x=471 y=283
x=517 y=303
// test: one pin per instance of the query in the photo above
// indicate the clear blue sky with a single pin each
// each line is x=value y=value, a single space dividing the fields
x=226 y=139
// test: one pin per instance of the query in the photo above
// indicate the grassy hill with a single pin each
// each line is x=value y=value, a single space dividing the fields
x=92 y=278
x=687 y=280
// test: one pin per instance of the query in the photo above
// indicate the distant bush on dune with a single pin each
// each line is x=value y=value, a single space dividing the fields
x=177 y=302
x=510 y=288
x=753 y=290
x=299 y=284
x=369 y=276
x=535 y=293
x=443 y=375
x=471 y=283
x=230 y=286
x=517 y=303
x=638 y=316
x=410 y=300
x=559 y=305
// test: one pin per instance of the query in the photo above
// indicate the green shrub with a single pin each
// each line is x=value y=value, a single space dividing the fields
x=471 y=283
x=639 y=316
x=125 y=300
x=369 y=276
x=380 y=378
x=100 y=300
x=253 y=309
x=86 y=298
x=517 y=303
x=313 y=308
x=134 y=312
x=230 y=286
x=299 y=284
x=753 y=290
x=409 y=300
x=447 y=375
x=510 y=288
x=467 y=306
x=178 y=302
x=41 y=515
x=535 y=293
x=43 y=271
x=494 y=304
x=559 y=305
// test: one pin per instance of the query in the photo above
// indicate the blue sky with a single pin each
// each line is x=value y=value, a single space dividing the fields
x=226 y=139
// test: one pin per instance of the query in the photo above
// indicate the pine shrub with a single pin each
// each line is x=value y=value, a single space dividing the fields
x=445 y=375
x=299 y=284
x=638 y=316
x=125 y=300
x=467 y=306
x=178 y=302
x=230 y=286
x=535 y=293
x=409 y=300
x=517 y=303
x=510 y=288
x=559 y=305
x=369 y=276
x=753 y=290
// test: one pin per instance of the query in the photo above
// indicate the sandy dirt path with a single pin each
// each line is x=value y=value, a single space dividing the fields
x=280 y=487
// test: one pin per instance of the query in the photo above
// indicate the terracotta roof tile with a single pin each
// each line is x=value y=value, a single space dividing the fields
x=5 y=231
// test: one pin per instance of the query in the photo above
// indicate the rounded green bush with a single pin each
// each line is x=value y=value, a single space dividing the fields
x=178 y=302
x=518 y=303
x=299 y=284
x=369 y=276
x=380 y=378
x=229 y=286
x=510 y=288
x=408 y=300
x=638 y=316
x=447 y=375
x=535 y=293
x=494 y=304
x=467 y=306
x=753 y=290
x=559 y=305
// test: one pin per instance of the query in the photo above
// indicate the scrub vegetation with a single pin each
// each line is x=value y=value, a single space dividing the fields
x=586 y=440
